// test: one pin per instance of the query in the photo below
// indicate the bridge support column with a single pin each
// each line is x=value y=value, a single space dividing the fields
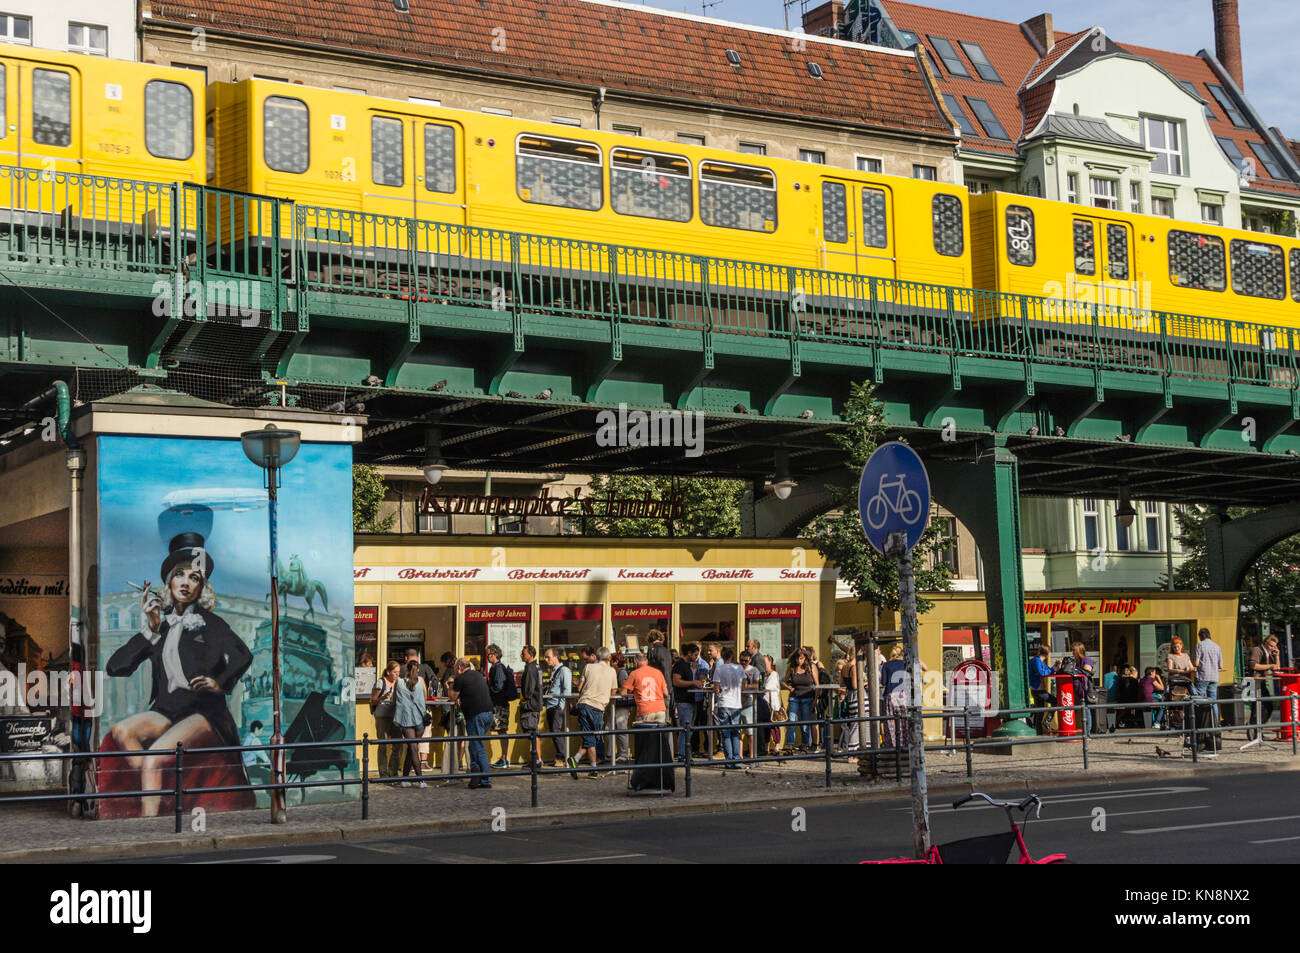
x=1232 y=546
x=985 y=496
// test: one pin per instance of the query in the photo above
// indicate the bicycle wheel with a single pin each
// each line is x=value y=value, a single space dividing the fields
x=877 y=512
x=909 y=507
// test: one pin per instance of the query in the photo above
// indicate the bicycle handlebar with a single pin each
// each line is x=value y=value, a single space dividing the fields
x=1032 y=801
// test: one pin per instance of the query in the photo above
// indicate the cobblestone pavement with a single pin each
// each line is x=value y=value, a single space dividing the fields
x=45 y=832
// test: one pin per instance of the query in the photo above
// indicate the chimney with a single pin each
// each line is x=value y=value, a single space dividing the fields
x=1227 y=39
x=824 y=20
x=1039 y=32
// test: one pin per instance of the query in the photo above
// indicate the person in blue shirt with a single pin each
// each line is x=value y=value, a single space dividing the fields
x=1040 y=666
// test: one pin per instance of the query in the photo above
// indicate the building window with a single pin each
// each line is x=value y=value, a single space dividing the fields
x=980 y=186
x=562 y=172
x=566 y=121
x=88 y=38
x=812 y=155
x=753 y=148
x=1151 y=521
x=1197 y=261
x=387 y=152
x=1267 y=159
x=1258 y=269
x=432 y=523
x=439 y=158
x=650 y=185
x=963 y=121
x=1085 y=248
x=1164 y=138
x=949 y=227
x=203 y=70
x=1188 y=85
x=1022 y=246
x=270 y=79
x=1091 y=540
x=509 y=526
x=1228 y=106
x=835 y=212
x=15 y=29
x=737 y=196
x=1211 y=214
x=948 y=553
x=927 y=172
x=875 y=219
x=349 y=89
x=421 y=101
x=168 y=120
x=1105 y=192
x=285 y=143
x=814 y=70
x=623 y=130
x=51 y=107
x=975 y=53
x=690 y=139
x=1072 y=187
x=870 y=164
x=949 y=56
x=496 y=111
x=1232 y=151
x=1123 y=542
x=1161 y=205
x=1135 y=197
x=984 y=114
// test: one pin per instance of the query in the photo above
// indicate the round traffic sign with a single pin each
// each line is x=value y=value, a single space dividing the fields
x=894 y=495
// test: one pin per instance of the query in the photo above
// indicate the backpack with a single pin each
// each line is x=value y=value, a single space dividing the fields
x=511 y=691
x=1065 y=666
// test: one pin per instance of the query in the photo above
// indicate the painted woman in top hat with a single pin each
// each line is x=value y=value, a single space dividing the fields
x=197 y=661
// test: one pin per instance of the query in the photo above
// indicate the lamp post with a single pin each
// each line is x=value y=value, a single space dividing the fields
x=272 y=448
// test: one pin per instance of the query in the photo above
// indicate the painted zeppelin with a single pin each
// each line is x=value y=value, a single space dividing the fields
x=196 y=661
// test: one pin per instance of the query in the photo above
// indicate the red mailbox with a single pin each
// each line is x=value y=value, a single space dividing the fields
x=1289 y=685
x=1067 y=722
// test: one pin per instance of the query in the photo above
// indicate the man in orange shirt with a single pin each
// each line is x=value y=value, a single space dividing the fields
x=648 y=687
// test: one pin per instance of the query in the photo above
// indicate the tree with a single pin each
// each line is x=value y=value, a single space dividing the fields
x=1272 y=587
x=368 y=492
x=838 y=534
x=711 y=506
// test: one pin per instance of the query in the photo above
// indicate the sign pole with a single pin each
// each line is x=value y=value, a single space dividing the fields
x=897 y=547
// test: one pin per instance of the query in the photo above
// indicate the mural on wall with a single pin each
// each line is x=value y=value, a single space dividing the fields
x=184 y=618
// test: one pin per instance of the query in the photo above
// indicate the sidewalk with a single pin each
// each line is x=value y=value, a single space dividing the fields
x=41 y=832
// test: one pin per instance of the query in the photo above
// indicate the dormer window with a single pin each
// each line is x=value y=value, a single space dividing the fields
x=814 y=70
x=733 y=57
x=402 y=6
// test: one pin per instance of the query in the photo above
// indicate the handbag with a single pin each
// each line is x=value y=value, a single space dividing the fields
x=780 y=714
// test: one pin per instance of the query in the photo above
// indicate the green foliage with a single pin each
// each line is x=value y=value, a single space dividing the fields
x=368 y=490
x=838 y=534
x=711 y=505
x=1272 y=586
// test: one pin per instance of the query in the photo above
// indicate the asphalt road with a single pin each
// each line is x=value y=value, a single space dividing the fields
x=1242 y=818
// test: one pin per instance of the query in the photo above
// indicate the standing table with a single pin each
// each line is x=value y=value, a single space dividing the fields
x=451 y=747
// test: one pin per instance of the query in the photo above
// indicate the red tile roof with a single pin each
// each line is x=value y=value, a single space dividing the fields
x=632 y=50
x=1064 y=44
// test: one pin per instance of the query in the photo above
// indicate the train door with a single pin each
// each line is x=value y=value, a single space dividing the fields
x=855 y=229
x=43 y=117
x=8 y=116
x=415 y=168
x=1103 y=263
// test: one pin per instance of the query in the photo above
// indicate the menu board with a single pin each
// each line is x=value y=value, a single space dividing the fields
x=768 y=636
x=366 y=645
x=511 y=637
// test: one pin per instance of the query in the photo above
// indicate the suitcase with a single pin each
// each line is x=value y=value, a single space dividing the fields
x=649 y=750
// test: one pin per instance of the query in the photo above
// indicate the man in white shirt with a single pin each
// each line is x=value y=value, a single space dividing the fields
x=728 y=679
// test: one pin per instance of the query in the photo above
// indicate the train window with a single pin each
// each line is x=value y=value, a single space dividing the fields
x=168 y=120
x=1022 y=244
x=1085 y=248
x=1258 y=269
x=1295 y=273
x=1117 y=252
x=835 y=212
x=4 y=125
x=1197 y=261
x=949 y=229
x=737 y=196
x=286 y=144
x=562 y=172
x=650 y=185
x=875 y=218
x=387 y=153
x=51 y=107
x=439 y=158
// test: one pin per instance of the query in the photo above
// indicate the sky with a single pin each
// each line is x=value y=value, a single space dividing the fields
x=1183 y=26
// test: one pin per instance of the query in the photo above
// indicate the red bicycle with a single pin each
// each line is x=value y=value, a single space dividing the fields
x=988 y=848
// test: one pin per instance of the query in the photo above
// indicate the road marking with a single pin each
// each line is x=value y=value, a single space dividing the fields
x=1110 y=814
x=277 y=859
x=1195 y=827
x=1098 y=796
x=1275 y=840
x=583 y=860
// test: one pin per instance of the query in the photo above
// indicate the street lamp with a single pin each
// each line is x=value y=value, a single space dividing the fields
x=432 y=463
x=1124 y=512
x=271 y=448
x=782 y=484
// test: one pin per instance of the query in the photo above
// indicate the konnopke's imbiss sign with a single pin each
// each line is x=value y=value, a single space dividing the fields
x=585 y=574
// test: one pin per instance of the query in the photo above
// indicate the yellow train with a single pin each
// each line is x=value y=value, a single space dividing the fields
x=378 y=190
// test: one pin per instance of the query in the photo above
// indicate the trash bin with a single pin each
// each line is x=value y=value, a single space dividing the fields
x=652 y=749
x=1232 y=710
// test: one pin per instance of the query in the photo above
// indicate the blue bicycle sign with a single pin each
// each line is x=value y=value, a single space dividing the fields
x=894 y=495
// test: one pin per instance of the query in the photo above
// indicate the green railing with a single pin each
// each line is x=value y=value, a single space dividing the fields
x=62 y=221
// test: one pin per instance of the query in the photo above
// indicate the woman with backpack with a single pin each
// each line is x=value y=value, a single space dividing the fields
x=411 y=711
